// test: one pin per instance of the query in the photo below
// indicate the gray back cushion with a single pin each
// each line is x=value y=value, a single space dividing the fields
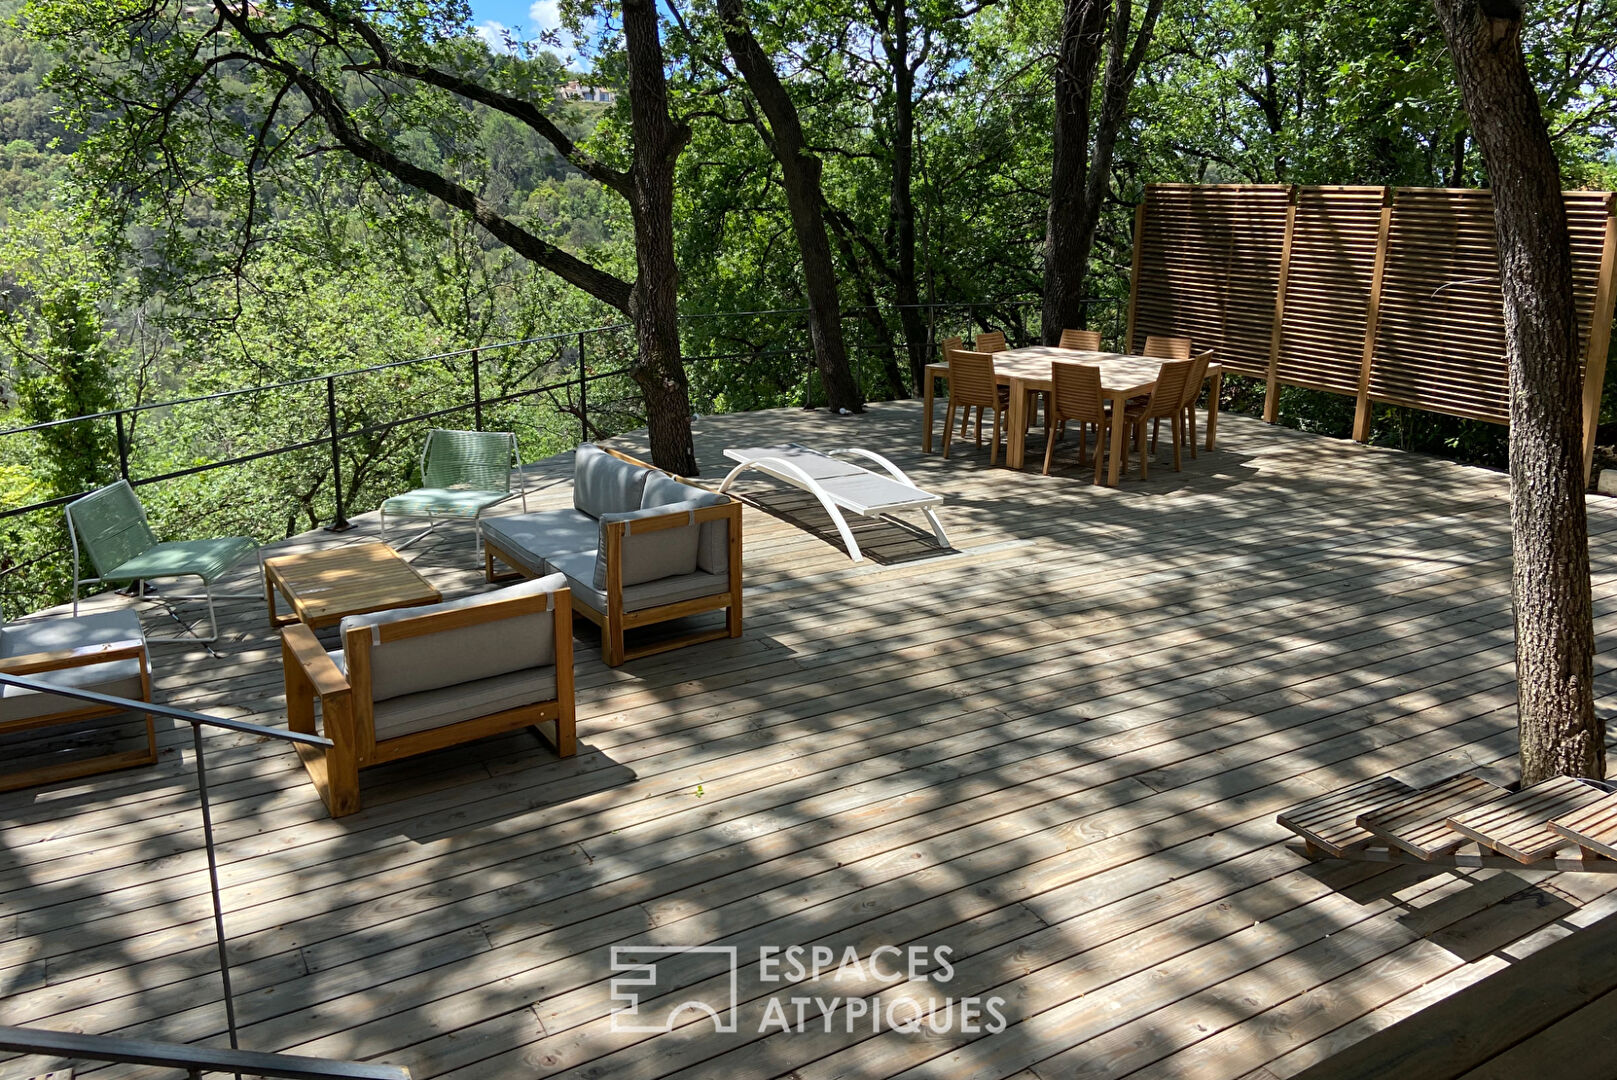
x=465 y=655
x=713 y=548
x=603 y=484
x=653 y=555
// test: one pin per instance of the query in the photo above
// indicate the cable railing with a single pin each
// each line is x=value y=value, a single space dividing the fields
x=350 y=428
x=196 y=1060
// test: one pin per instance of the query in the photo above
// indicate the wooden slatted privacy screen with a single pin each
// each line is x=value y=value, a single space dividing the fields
x=1389 y=295
x=1207 y=265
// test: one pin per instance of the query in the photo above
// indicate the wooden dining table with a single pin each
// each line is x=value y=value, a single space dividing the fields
x=1020 y=370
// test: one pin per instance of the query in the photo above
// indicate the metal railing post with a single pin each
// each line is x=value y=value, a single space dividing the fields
x=340 y=523
x=213 y=884
x=196 y=720
x=583 y=395
x=123 y=446
x=477 y=392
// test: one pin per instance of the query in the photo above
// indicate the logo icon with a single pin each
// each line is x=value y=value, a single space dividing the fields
x=647 y=968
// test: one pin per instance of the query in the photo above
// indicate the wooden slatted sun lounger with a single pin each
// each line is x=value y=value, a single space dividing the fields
x=1419 y=824
x=1594 y=827
x=1520 y=825
x=1464 y=821
x=840 y=485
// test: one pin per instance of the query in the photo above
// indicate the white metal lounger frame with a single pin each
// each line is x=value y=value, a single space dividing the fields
x=784 y=470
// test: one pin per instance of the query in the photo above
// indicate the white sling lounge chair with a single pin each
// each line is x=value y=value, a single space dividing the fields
x=840 y=485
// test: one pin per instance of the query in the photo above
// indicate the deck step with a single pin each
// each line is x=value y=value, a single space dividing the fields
x=1519 y=825
x=1593 y=826
x=1330 y=822
x=1418 y=823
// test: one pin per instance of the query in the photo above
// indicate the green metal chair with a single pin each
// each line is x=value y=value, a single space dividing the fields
x=463 y=473
x=109 y=525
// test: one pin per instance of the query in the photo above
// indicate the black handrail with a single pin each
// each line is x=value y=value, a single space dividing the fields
x=197 y=721
x=333 y=437
x=194 y=1059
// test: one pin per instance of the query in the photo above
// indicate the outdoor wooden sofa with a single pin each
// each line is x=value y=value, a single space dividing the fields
x=104 y=652
x=639 y=547
x=413 y=680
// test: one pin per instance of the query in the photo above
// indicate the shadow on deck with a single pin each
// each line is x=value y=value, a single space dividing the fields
x=1056 y=750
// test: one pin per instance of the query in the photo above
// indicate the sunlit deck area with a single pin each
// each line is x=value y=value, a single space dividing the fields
x=1057 y=749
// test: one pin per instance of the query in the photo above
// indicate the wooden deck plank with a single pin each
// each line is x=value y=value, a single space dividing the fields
x=1070 y=752
x=369 y=867
x=1464 y=1032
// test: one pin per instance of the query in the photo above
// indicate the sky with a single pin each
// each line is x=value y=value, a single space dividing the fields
x=493 y=17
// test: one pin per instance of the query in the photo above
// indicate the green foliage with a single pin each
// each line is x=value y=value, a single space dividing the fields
x=225 y=248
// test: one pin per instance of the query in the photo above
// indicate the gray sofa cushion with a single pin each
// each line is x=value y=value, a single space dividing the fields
x=649 y=555
x=530 y=537
x=664 y=490
x=455 y=658
x=120 y=678
x=603 y=484
x=580 y=571
x=713 y=550
x=450 y=704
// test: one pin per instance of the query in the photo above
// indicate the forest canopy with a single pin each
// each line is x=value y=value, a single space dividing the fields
x=204 y=198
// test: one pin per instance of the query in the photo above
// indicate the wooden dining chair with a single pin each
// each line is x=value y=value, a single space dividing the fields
x=1084 y=340
x=993 y=341
x=1166 y=402
x=972 y=385
x=1166 y=347
x=1193 y=393
x=950 y=346
x=1075 y=394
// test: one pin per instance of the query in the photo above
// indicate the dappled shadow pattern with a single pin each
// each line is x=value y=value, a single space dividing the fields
x=1058 y=751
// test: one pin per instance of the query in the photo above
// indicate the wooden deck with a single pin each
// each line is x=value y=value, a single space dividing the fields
x=1057 y=750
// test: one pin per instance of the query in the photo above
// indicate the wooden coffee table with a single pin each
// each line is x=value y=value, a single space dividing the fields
x=325 y=586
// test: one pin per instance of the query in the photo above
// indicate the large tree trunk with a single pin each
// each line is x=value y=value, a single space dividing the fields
x=1560 y=734
x=800 y=172
x=901 y=208
x=1079 y=176
x=654 y=302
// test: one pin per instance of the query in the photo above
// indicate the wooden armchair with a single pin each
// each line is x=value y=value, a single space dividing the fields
x=106 y=653
x=640 y=547
x=410 y=681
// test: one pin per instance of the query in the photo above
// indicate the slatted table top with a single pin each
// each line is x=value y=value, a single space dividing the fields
x=1519 y=825
x=1594 y=826
x=325 y=586
x=1330 y=822
x=1419 y=824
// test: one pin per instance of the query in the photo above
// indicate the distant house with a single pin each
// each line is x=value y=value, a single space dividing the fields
x=577 y=91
